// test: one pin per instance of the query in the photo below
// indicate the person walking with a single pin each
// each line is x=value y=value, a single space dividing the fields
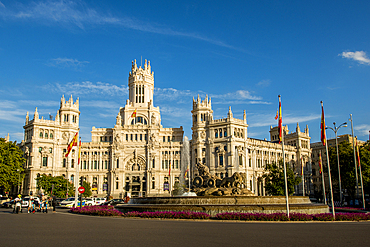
x=54 y=203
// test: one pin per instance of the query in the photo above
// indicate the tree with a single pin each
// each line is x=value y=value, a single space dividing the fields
x=87 y=187
x=46 y=183
x=11 y=165
x=347 y=167
x=274 y=179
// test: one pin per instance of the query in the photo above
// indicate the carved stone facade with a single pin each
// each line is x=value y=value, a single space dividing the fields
x=224 y=145
x=134 y=157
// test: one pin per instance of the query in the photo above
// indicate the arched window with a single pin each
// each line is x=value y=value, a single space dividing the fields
x=46 y=135
x=51 y=135
x=41 y=135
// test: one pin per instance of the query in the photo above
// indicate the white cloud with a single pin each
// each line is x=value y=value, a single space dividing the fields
x=2 y=5
x=66 y=63
x=358 y=56
x=363 y=129
x=240 y=94
x=264 y=83
x=78 y=14
x=261 y=120
x=13 y=115
x=87 y=88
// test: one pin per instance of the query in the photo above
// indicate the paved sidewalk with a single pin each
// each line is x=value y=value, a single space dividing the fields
x=64 y=229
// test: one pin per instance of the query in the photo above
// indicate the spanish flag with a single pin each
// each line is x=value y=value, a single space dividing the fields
x=322 y=126
x=186 y=172
x=169 y=171
x=302 y=166
x=320 y=163
x=72 y=144
x=358 y=155
x=280 y=126
x=133 y=114
x=79 y=152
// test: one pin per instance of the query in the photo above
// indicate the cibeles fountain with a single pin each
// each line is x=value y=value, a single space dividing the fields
x=210 y=194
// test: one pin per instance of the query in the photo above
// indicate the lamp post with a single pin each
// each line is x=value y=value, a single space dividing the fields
x=335 y=129
x=19 y=178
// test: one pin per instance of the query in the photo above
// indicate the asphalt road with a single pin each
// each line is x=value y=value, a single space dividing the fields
x=64 y=229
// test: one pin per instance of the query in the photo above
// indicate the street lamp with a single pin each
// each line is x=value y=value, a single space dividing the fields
x=19 y=178
x=335 y=129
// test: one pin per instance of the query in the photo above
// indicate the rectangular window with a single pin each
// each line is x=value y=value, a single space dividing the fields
x=117 y=163
x=84 y=164
x=95 y=164
x=64 y=162
x=168 y=138
x=153 y=164
x=166 y=164
x=44 y=161
x=164 y=139
x=176 y=164
x=106 y=164
x=141 y=137
x=221 y=160
x=72 y=163
x=162 y=164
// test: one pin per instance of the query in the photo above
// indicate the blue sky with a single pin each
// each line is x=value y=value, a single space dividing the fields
x=242 y=54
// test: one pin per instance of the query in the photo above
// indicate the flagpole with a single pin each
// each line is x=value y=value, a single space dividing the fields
x=354 y=155
x=323 y=178
x=327 y=160
x=282 y=142
x=303 y=191
x=77 y=174
x=362 y=185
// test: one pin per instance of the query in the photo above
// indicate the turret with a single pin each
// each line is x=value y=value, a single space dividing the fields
x=202 y=110
x=69 y=112
x=141 y=84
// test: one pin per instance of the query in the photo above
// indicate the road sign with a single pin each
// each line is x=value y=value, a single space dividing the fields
x=81 y=189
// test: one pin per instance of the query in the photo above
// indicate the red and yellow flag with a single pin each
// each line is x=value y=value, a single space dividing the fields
x=277 y=114
x=79 y=152
x=320 y=163
x=358 y=155
x=186 y=172
x=322 y=126
x=302 y=166
x=169 y=171
x=280 y=126
x=133 y=114
x=72 y=144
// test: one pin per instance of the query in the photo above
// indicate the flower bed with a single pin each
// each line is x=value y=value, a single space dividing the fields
x=111 y=211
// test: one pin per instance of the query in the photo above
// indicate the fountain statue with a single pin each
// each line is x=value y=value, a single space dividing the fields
x=206 y=184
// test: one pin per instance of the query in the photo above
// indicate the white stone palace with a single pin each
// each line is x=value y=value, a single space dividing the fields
x=134 y=157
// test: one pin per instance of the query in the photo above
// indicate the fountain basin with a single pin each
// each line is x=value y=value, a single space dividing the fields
x=213 y=205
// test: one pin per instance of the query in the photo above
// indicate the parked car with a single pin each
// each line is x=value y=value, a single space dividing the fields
x=67 y=201
x=99 y=200
x=72 y=204
x=89 y=201
x=7 y=204
x=26 y=201
x=113 y=202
